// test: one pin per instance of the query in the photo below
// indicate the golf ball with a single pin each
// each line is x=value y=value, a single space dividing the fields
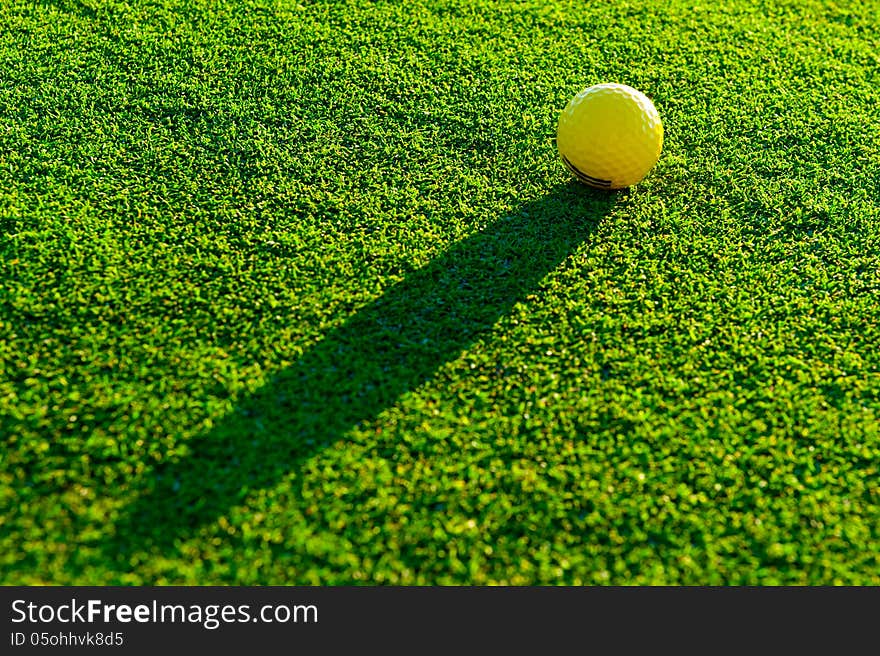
x=609 y=136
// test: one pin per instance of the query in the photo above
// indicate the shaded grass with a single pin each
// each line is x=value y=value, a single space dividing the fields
x=385 y=350
x=208 y=207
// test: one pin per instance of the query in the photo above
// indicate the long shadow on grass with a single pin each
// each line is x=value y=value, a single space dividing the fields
x=359 y=369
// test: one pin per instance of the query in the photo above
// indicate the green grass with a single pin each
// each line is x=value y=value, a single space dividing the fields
x=301 y=293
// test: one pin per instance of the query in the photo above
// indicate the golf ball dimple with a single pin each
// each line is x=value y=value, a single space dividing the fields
x=610 y=136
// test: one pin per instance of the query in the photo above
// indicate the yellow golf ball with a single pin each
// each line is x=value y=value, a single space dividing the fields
x=610 y=136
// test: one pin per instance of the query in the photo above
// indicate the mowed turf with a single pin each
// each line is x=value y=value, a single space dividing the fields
x=301 y=293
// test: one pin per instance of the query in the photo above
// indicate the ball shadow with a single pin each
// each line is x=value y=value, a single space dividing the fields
x=356 y=371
